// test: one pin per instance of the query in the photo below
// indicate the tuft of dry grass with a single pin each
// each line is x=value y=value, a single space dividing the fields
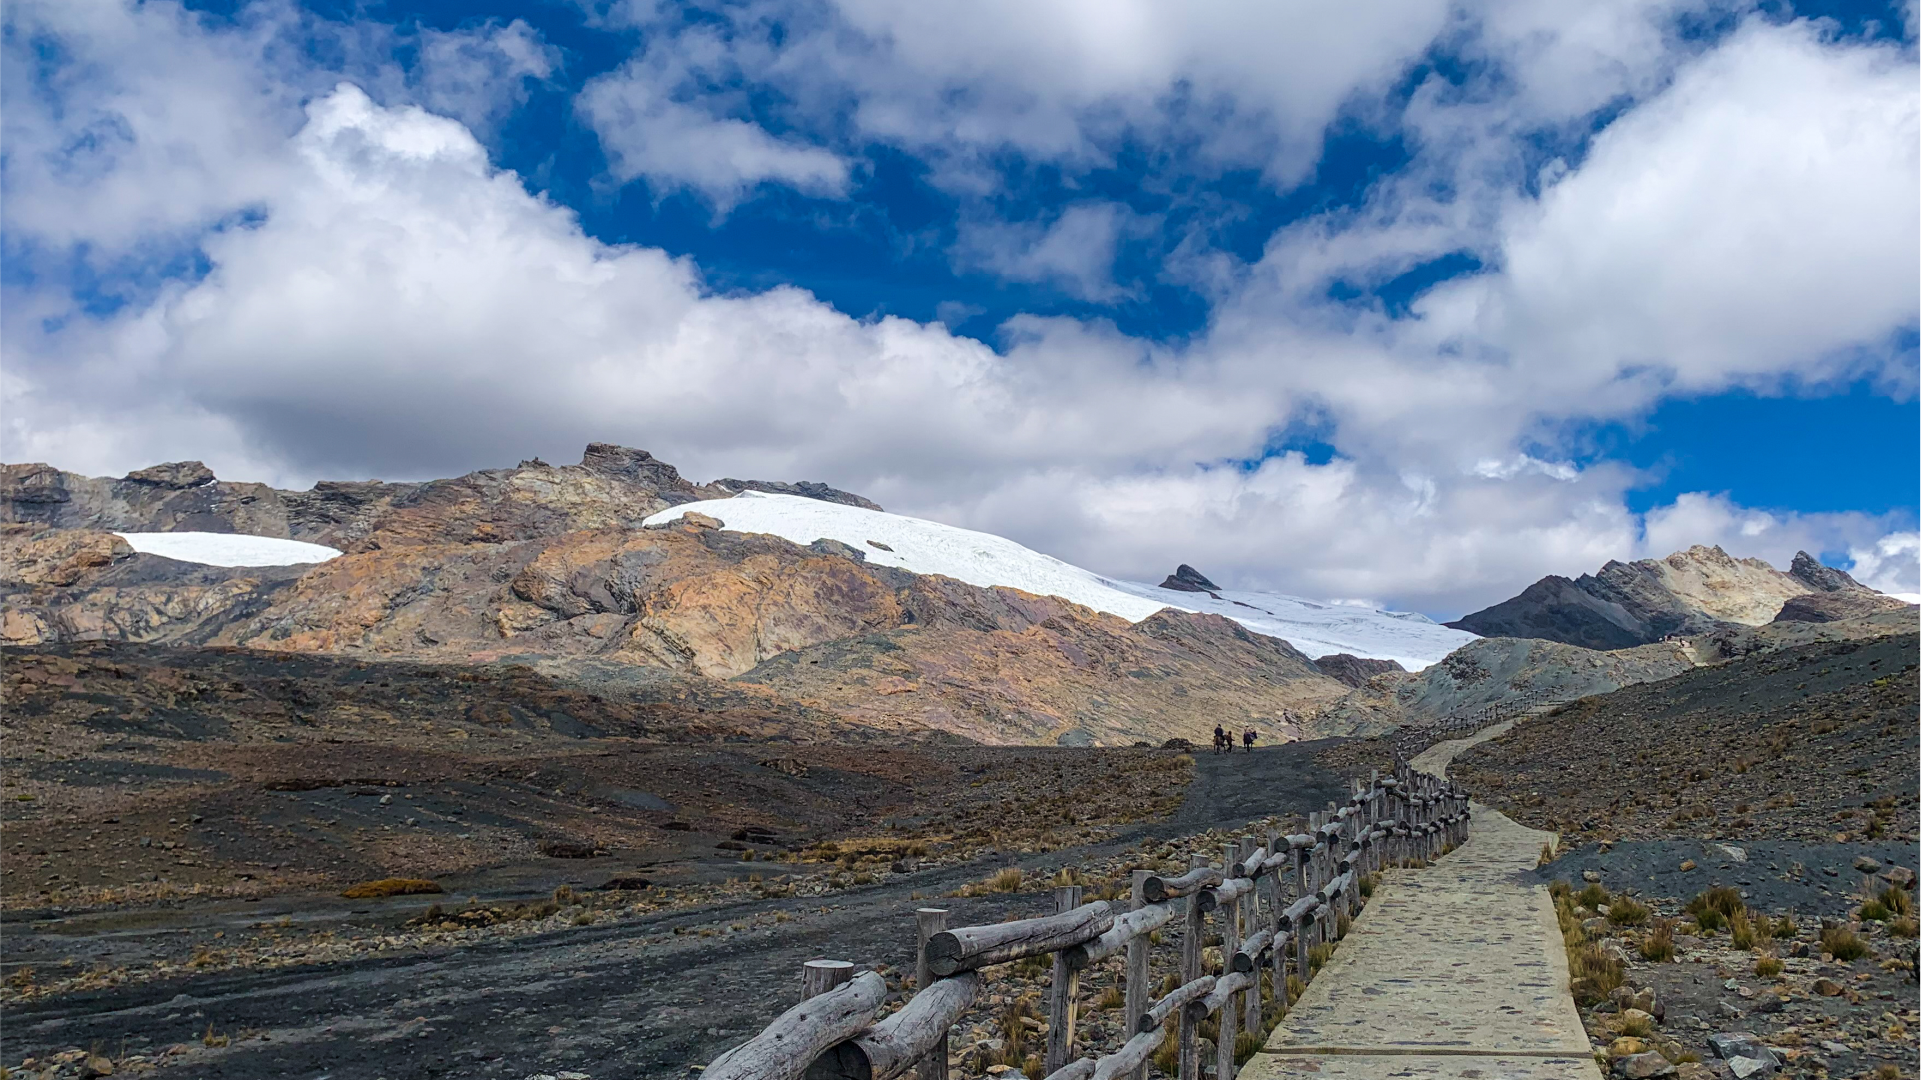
x=1592 y=896
x=1904 y=927
x=1600 y=970
x=1741 y=929
x=393 y=886
x=1767 y=967
x=1843 y=943
x=1627 y=911
x=1657 y=945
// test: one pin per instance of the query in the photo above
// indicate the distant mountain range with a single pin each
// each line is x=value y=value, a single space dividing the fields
x=799 y=600
x=1697 y=591
x=572 y=570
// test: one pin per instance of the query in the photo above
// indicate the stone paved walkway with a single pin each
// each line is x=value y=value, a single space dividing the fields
x=1452 y=972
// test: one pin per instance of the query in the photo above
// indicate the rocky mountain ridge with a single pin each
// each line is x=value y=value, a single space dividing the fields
x=550 y=567
x=612 y=487
x=1697 y=591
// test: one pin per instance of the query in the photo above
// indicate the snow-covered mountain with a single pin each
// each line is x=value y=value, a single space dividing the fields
x=928 y=547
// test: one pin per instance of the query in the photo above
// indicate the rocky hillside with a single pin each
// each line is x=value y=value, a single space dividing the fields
x=1801 y=743
x=1492 y=670
x=1690 y=592
x=549 y=566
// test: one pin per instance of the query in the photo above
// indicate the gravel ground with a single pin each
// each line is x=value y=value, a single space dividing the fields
x=649 y=997
x=1778 y=876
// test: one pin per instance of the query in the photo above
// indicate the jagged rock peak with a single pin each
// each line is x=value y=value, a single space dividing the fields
x=1187 y=579
x=1809 y=570
x=608 y=459
x=174 y=475
x=810 y=489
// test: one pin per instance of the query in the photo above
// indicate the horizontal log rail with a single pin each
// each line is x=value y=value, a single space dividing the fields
x=1280 y=901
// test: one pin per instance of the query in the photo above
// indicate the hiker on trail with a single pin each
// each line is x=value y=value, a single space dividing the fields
x=1221 y=739
x=1247 y=739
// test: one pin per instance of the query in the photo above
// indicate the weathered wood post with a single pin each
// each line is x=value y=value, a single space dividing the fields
x=1276 y=905
x=1250 y=925
x=1227 y=1021
x=1191 y=934
x=1136 y=990
x=1060 y=1008
x=927 y=923
x=819 y=976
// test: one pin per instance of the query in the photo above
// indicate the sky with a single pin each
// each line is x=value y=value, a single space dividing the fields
x=1408 y=302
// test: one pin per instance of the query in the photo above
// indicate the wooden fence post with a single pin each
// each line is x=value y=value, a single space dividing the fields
x=1136 y=990
x=819 y=976
x=927 y=923
x=1227 y=1020
x=1191 y=934
x=1060 y=1011
x=1250 y=925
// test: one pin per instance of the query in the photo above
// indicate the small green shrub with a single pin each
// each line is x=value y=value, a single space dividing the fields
x=1592 y=896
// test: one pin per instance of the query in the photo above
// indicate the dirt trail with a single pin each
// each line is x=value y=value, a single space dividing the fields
x=1452 y=971
x=631 y=1000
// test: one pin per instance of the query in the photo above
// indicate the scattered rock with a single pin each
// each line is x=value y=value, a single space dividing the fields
x=1627 y=1046
x=698 y=520
x=1899 y=876
x=1866 y=865
x=1642 y=1066
x=1590 y=875
x=1826 y=987
x=1686 y=865
x=568 y=849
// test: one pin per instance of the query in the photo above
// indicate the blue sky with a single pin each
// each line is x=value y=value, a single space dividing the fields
x=1411 y=305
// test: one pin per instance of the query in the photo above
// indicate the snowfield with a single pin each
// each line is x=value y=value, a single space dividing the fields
x=928 y=547
x=228 y=549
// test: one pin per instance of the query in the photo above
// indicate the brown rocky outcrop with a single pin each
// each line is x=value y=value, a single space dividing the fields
x=1355 y=670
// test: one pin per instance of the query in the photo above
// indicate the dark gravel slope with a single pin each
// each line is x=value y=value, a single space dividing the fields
x=633 y=1000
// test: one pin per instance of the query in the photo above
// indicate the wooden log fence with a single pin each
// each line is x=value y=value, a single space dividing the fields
x=1277 y=898
x=1413 y=739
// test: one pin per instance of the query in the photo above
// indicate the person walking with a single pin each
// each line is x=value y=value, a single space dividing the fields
x=1247 y=738
x=1221 y=739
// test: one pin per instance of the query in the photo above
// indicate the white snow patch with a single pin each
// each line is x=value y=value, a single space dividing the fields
x=1907 y=597
x=228 y=549
x=928 y=547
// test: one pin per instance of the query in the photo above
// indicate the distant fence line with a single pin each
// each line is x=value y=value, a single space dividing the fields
x=1411 y=740
x=1277 y=898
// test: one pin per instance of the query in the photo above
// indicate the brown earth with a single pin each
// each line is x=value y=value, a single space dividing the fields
x=135 y=773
